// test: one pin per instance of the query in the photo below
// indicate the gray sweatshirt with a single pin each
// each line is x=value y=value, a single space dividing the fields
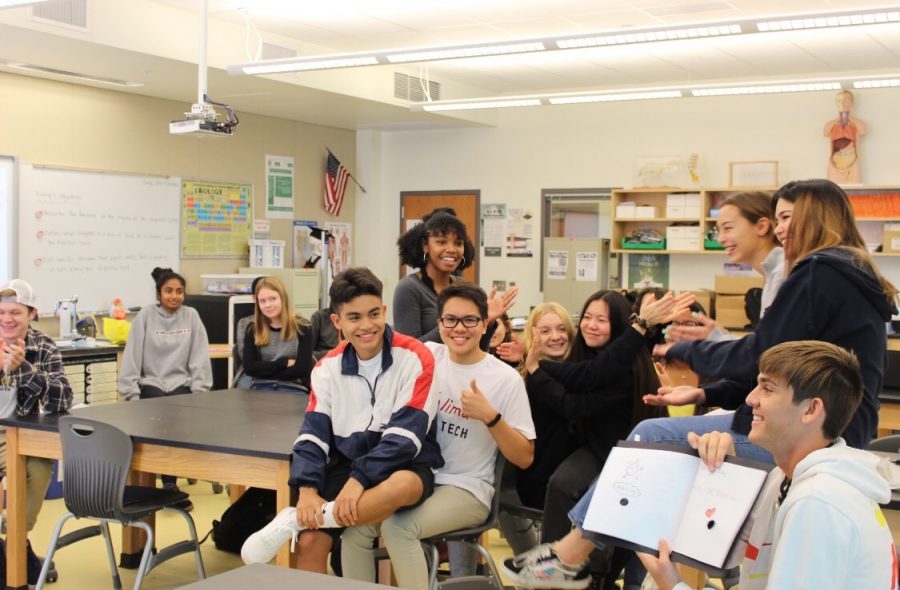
x=165 y=350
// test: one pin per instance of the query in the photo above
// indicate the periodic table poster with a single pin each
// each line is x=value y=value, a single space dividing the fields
x=216 y=219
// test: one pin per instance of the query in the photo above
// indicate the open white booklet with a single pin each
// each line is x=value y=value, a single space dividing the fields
x=648 y=492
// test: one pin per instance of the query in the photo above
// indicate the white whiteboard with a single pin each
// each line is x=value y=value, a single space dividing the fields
x=95 y=234
x=7 y=217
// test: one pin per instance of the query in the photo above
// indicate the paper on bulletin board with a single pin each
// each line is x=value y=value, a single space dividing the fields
x=215 y=220
x=279 y=187
x=648 y=270
x=261 y=229
x=305 y=250
x=520 y=234
x=557 y=265
x=342 y=233
x=586 y=267
x=493 y=226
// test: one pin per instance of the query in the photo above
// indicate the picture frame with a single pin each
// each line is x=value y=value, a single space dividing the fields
x=755 y=174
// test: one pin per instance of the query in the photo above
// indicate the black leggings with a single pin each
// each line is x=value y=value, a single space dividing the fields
x=148 y=392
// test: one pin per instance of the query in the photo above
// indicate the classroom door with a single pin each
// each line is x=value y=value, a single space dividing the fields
x=413 y=205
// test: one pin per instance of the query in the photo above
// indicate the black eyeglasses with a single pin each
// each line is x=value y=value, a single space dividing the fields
x=470 y=321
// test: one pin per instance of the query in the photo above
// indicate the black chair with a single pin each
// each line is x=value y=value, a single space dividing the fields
x=511 y=506
x=96 y=463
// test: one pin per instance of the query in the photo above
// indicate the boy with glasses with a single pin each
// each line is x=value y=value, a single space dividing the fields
x=482 y=409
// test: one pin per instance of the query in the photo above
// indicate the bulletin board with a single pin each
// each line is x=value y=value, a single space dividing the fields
x=93 y=234
x=216 y=219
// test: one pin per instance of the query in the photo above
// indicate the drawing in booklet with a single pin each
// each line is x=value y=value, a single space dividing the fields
x=647 y=492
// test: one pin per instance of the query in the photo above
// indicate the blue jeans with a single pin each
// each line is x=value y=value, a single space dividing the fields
x=674 y=431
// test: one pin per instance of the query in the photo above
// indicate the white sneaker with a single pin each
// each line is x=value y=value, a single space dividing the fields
x=541 y=568
x=261 y=546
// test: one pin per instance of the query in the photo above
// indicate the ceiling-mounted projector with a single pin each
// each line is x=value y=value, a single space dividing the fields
x=203 y=120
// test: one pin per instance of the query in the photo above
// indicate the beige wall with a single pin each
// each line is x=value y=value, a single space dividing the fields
x=60 y=124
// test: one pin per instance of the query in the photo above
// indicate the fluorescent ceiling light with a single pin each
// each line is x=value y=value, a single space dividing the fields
x=650 y=36
x=67 y=74
x=620 y=37
x=767 y=89
x=872 y=17
x=614 y=97
x=483 y=104
x=890 y=83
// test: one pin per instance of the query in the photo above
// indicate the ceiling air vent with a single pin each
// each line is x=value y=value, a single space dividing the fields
x=69 y=13
x=411 y=88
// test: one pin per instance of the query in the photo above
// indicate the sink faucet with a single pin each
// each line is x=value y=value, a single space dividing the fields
x=66 y=310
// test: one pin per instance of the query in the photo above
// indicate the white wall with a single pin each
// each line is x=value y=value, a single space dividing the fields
x=595 y=145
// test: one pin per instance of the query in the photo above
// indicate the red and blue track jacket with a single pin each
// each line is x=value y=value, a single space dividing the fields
x=381 y=428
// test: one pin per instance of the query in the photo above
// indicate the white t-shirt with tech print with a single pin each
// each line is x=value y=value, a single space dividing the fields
x=467 y=446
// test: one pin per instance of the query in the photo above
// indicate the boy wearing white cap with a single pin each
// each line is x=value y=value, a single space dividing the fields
x=31 y=378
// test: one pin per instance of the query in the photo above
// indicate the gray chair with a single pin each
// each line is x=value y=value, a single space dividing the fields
x=471 y=538
x=886 y=444
x=96 y=463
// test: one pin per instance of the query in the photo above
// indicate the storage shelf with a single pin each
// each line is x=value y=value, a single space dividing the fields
x=709 y=197
x=719 y=252
x=664 y=219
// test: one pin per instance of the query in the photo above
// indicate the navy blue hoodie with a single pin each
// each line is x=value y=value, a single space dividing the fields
x=827 y=296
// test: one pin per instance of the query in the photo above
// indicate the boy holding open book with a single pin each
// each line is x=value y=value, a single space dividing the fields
x=816 y=523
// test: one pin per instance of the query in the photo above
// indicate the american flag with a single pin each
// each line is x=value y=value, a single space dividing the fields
x=335 y=185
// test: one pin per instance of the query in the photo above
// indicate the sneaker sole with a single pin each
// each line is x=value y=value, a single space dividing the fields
x=538 y=584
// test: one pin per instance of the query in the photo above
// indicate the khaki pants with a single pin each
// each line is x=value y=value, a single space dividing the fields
x=450 y=508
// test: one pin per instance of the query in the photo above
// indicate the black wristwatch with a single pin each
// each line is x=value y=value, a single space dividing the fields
x=636 y=319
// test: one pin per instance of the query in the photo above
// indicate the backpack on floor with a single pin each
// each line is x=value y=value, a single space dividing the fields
x=251 y=512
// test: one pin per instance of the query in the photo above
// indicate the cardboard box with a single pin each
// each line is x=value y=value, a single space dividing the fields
x=625 y=211
x=691 y=244
x=706 y=299
x=692 y=200
x=645 y=212
x=730 y=311
x=675 y=200
x=736 y=285
x=891 y=241
x=683 y=232
x=676 y=211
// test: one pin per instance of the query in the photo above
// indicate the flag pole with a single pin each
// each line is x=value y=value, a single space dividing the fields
x=361 y=187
